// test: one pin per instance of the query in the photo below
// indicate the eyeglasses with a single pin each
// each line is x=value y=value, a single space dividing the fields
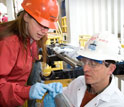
x=90 y=62
x=93 y=63
x=38 y=22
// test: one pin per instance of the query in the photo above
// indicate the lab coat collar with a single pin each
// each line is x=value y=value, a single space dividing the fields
x=104 y=96
x=81 y=91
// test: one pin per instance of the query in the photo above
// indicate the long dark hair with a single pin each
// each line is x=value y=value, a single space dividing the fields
x=18 y=28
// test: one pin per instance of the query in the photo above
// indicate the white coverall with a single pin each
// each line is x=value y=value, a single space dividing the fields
x=110 y=97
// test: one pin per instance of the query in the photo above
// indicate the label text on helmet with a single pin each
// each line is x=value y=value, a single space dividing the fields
x=92 y=46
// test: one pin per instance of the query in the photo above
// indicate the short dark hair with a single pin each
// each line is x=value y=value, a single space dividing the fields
x=108 y=62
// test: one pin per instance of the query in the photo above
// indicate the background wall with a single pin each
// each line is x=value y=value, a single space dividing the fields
x=3 y=1
x=85 y=17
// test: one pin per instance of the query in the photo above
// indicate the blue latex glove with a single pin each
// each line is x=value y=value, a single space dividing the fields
x=48 y=101
x=57 y=88
x=49 y=98
x=38 y=90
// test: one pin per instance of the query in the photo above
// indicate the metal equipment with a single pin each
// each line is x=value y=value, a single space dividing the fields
x=73 y=71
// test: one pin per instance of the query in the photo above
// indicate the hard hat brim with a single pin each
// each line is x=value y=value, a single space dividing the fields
x=98 y=56
x=42 y=21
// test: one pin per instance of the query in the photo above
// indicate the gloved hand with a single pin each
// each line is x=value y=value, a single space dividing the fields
x=38 y=90
x=57 y=88
x=49 y=98
x=48 y=101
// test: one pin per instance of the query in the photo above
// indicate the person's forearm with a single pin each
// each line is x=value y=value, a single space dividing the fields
x=13 y=94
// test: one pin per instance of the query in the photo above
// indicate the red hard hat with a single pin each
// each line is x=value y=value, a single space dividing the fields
x=44 y=11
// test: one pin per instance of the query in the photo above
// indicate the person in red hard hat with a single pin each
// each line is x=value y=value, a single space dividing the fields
x=18 y=38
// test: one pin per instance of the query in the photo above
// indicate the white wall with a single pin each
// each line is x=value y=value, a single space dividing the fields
x=13 y=7
x=92 y=16
x=10 y=9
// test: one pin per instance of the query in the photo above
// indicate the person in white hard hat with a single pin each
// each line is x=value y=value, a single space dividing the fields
x=97 y=87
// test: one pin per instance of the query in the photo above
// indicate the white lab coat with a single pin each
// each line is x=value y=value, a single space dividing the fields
x=110 y=97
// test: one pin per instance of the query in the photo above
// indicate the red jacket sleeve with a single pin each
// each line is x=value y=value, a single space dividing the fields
x=11 y=93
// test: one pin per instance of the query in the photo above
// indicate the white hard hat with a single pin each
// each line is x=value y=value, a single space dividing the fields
x=102 y=46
